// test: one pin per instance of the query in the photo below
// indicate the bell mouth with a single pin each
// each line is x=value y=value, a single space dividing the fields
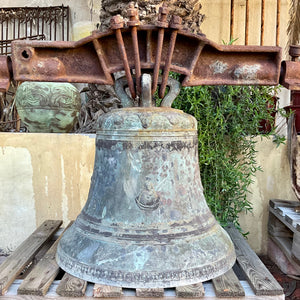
x=138 y=265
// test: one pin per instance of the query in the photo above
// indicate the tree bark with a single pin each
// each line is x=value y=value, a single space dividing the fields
x=188 y=10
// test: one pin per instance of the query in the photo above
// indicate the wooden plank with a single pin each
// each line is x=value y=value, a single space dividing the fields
x=36 y=259
x=24 y=254
x=129 y=294
x=228 y=285
x=293 y=218
x=285 y=245
x=107 y=291
x=281 y=218
x=152 y=293
x=43 y=274
x=277 y=228
x=190 y=291
x=274 y=203
x=258 y=276
x=71 y=286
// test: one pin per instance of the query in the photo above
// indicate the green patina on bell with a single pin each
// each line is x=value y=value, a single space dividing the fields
x=48 y=106
x=146 y=223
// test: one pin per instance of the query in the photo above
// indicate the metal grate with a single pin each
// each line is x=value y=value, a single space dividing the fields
x=50 y=23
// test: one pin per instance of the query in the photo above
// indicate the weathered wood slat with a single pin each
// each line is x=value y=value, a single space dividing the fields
x=285 y=244
x=152 y=293
x=40 y=254
x=24 y=254
x=258 y=276
x=190 y=291
x=284 y=229
x=228 y=285
x=281 y=218
x=43 y=274
x=275 y=203
x=71 y=286
x=107 y=291
x=293 y=218
x=277 y=228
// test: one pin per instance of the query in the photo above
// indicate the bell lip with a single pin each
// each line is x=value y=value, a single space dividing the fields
x=226 y=262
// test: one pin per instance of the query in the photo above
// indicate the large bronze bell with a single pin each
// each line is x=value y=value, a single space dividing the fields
x=146 y=223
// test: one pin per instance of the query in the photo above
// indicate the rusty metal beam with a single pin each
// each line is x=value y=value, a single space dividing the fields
x=202 y=61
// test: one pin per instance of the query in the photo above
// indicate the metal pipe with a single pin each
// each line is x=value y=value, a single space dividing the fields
x=162 y=24
x=160 y=39
x=55 y=21
x=116 y=23
x=63 y=24
x=68 y=23
x=7 y=45
x=175 y=24
x=38 y=25
x=2 y=36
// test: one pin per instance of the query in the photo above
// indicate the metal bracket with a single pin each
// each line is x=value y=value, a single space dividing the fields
x=121 y=84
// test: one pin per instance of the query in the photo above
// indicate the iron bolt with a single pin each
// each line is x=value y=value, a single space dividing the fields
x=116 y=22
x=162 y=17
x=175 y=22
x=132 y=13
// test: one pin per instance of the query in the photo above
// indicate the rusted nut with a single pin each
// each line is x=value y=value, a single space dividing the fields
x=133 y=15
x=162 y=17
x=116 y=22
x=294 y=51
x=175 y=22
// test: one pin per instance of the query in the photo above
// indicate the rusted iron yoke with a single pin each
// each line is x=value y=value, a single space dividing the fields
x=148 y=48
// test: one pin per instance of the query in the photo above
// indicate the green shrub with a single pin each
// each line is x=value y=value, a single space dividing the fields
x=229 y=117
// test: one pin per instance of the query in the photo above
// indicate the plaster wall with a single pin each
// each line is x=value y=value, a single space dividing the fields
x=47 y=176
x=43 y=176
x=273 y=183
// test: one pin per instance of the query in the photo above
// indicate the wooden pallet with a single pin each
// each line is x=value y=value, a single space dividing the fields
x=284 y=228
x=35 y=257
